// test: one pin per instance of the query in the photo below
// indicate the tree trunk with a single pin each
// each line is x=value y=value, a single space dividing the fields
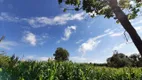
x=120 y=15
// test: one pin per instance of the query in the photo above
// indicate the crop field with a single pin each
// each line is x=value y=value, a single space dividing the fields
x=51 y=70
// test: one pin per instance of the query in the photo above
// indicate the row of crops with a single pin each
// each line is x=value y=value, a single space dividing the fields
x=51 y=70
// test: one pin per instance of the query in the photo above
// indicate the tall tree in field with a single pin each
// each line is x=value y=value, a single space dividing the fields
x=110 y=8
x=61 y=54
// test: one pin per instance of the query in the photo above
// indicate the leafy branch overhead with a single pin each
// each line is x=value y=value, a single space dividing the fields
x=2 y=38
x=101 y=7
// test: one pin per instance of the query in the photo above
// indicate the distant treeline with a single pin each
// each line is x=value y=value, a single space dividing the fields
x=118 y=60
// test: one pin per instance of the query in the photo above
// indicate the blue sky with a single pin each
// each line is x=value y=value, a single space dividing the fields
x=34 y=29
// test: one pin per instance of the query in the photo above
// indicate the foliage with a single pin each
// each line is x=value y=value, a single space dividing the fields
x=121 y=60
x=136 y=60
x=61 y=54
x=101 y=7
x=52 y=70
x=4 y=60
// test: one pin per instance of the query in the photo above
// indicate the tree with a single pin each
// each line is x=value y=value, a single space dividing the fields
x=118 y=60
x=110 y=8
x=134 y=59
x=61 y=54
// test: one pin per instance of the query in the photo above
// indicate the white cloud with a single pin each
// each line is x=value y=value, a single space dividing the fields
x=42 y=38
x=110 y=31
x=113 y=32
x=7 y=44
x=43 y=58
x=90 y=44
x=58 y=41
x=57 y=20
x=33 y=39
x=35 y=57
x=120 y=46
x=138 y=28
x=116 y=34
x=107 y=30
x=30 y=38
x=5 y=17
x=85 y=60
x=78 y=59
x=137 y=21
x=30 y=57
x=130 y=53
x=79 y=41
x=68 y=31
x=37 y=22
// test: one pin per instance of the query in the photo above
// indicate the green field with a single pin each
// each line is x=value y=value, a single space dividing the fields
x=51 y=70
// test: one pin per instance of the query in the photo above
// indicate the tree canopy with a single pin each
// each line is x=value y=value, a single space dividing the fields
x=101 y=7
x=61 y=54
x=121 y=60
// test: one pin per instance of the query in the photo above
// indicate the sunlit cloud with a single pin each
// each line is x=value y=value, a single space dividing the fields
x=68 y=31
x=90 y=44
x=29 y=37
x=37 y=22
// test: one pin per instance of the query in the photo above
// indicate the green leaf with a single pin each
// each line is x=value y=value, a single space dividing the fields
x=78 y=2
x=64 y=10
x=0 y=69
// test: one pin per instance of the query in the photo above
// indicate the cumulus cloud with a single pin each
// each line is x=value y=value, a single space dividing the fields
x=7 y=44
x=29 y=37
x=90 y=44
x=68 y=31
x=33 y=39
x=37 y=22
